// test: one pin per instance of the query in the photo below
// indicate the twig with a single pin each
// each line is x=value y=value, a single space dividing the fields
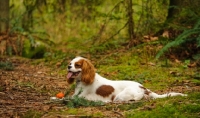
x=23 y=106
x=69 y=116
x=10 y=96
x=118 y=31
x=2 y=93
x=118 y=113
x=105 y=22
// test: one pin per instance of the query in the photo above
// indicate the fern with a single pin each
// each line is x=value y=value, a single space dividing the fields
x=198 y=41
x=6 y=66
x=30 y=43
x=77 y=101
x=197 y=25
x=182 y=38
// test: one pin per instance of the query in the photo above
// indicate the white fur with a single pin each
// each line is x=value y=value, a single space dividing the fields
x=124 y=91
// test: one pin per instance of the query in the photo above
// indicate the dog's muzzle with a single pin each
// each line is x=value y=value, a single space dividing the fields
x=72 y=74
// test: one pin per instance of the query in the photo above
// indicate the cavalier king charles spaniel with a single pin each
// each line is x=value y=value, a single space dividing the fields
x=92 y=86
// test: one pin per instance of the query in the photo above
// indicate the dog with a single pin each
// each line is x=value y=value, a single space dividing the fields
x=94 y=87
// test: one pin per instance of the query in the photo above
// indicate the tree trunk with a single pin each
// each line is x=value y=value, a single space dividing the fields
x=132 y=36
x=172 y=17
x=172 y=11
x=130 y=20
x=4 y=15
x=28 y=16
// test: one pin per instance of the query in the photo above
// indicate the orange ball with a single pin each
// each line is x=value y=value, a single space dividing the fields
x=60 y=95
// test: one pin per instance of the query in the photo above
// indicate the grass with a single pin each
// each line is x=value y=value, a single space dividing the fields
x=137 y=65
x=180 y=107
x=32 y=114
x=75 y=112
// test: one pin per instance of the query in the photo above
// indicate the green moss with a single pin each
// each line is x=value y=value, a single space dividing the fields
x=32 y=114
x=133 y=105
x=97 y=114
x=181 y=107
x=73 y=111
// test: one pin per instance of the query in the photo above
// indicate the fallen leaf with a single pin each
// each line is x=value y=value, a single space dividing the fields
x=191 y=65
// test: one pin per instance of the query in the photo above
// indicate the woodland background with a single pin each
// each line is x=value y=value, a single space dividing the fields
x=154 y=42
x=33 y=28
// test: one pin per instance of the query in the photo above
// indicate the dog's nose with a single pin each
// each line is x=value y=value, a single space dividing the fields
x=69 y=67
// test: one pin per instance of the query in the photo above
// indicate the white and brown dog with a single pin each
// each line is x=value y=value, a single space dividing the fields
x=97 y=88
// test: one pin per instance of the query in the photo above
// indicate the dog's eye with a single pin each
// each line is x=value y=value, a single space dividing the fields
x=77 y=65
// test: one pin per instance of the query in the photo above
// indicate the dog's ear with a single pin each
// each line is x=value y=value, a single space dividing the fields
x=88 y=71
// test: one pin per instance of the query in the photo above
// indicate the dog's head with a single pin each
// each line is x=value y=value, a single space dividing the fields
x=80 y=69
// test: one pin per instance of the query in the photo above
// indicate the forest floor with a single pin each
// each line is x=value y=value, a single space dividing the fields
x=25 y=91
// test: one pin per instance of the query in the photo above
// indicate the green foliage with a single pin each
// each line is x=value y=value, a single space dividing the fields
x=188 y=36
x=131 y=106
x=101 y=48
x=33 y=52
x=77 y=101
x=32 y=42
x=6 y=65
x=186 y=63
x=83 y=112
x=197 y=77
x=71 y=24
x=24 y=39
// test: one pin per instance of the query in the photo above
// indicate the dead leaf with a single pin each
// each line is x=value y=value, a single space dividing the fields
x=177 y=61
x=58 y=64
x=152 y=64
x=146 y=37
x=165 y=34
x=46 y=107
x=153 y=38
x=191 y=65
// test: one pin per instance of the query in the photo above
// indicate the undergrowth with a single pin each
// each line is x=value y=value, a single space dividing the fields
x=188 y=36
x=6 y=65
x=80 y=101
x=32 y=114
x=77 y=101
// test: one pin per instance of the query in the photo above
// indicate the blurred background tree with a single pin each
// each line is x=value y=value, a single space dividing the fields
x=39 y=28
x=4 y=15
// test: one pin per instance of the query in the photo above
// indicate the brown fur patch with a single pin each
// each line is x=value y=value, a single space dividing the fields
x=88 y=71
x=78 y=64
x=113 y=97
x=105 y=90
x=145 y=90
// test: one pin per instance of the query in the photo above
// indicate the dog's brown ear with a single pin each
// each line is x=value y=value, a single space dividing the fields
x=88 y=71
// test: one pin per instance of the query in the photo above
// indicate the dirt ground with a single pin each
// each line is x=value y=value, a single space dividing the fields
x=29 y=87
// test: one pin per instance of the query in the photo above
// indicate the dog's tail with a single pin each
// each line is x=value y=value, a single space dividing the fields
x=155 y=95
